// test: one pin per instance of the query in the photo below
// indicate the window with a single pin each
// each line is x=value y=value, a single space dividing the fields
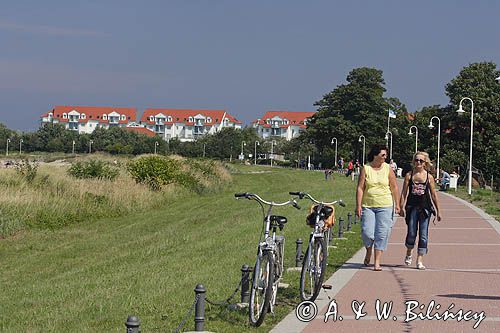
x=169 y=118
x=209 y=120
x=151 y=118
x=104 y=117
x=124 y=117
x=190 y=119
x=82 y=116
x=128 y=117
x=65 y=116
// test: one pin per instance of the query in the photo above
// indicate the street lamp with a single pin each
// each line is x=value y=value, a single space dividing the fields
x=390 y=146
x=7 y=149
x=156 y=145
x=204 y=146
x=272 y=151
x=335 y=149
x=73 y=148
x=243 y=143
x=20 y=146
x=460 y=111
x=439 y=139
x=90 y=146
x=364 y=143
x=257 y=143
x=416 y=136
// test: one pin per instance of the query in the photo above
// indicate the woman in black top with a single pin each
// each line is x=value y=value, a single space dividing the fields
x=416 y=204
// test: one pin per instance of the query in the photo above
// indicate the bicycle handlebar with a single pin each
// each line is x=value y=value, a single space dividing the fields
x=270 y=203
x=301 y=195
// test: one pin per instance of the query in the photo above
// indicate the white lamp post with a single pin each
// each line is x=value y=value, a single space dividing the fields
x=257 y=143
x=272 y=151
x=335 y=150
x=156 y=145
x=7 y=149
x=73 y=148
x=20 y=146
x=460 y=111
x=416 y=136
x=364 y=142
x=204 y=149
x=439 y=140
x=390 y=146
x=243 y=143
x=90 y=146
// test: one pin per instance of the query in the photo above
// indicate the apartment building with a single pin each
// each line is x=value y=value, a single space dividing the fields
x=282 y=124
x=187 y=124
x=85 y=119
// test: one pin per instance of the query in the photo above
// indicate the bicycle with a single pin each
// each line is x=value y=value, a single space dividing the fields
x=315 y=258
x=268 y=268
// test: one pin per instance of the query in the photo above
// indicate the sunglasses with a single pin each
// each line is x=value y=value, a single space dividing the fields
x=419 y=160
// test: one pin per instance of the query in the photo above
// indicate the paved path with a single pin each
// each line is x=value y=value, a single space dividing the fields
x=463 y=272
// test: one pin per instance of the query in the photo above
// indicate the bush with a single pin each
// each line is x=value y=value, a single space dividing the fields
x=154 y=171
x=93 y=169
x=27 y=170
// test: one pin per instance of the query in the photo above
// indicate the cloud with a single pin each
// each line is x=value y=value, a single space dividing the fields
x=48 y=30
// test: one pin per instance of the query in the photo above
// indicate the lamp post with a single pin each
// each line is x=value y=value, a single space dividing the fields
x=390 y=146
x=20 y=146
x=431 y=126
x=460 y=111
x=257 y=143
x=272 y=151
x=335 y=149
x=364 y=143
x=7 y=149
x=73 y=148
x=416 y=136
x=204 y=149
x=90 y=146
x=156 y=145
x=243 y=143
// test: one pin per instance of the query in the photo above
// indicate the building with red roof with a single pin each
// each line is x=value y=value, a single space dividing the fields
x=187 y=124
x=282 y=124
x=85 y=119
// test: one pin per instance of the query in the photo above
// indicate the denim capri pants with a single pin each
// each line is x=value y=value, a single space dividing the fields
x=376 y=226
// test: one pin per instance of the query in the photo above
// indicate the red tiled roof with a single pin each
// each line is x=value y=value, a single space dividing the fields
x=182 y=116
x=93 y=113
x=294 y=118
x=142 y=130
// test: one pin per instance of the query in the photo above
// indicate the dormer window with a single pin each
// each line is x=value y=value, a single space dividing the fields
x=65 y=115
x=169 y=118
x=104 y=117
x=209 y=120
x=151 y=118
x=123 y=117
x=190 y=119
x=82 y=116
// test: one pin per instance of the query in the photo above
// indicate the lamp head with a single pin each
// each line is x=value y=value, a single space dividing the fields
x=498 y=79
x=386 y=136
x=431 y=126
x=460 y=110
x=359 y=140
x=409 y=132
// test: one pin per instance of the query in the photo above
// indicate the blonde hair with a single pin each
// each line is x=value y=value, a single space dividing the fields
x=427 y=164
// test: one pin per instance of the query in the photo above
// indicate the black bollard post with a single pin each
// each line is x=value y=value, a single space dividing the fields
x=341 y=227
x=245 y=284
x=349 y=218
x=199 y=312
x=298 y=254
x=355 y=219
x=133 y=324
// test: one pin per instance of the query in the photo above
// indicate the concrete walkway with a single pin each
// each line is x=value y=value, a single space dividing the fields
x=463 y=273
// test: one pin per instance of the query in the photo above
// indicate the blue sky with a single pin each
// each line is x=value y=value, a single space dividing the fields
x=243 y=56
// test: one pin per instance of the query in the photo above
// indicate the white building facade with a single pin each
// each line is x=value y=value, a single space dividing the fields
x=282 y=124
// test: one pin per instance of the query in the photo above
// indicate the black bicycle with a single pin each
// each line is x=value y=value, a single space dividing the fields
x=315 y=258
x=268 y=268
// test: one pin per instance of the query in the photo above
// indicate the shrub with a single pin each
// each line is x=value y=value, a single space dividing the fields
x=27 y=170
x=93 y=169
x=154 y=171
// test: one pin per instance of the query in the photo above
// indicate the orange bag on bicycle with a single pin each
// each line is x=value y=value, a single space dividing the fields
x=311 y=218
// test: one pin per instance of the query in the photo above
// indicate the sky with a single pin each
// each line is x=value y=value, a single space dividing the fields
x=246 y=57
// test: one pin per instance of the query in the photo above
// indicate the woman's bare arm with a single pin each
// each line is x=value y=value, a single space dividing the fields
x=359 y=191
x=393 y=184
x=404 y=194
x=434 y=197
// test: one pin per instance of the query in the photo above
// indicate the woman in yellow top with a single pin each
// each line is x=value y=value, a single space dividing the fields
x=377 y=201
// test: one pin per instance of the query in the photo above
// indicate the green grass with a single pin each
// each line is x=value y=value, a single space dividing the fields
x=90 y=277
x=487 y=200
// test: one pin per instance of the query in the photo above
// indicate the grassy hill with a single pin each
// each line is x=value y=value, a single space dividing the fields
x=90 y=276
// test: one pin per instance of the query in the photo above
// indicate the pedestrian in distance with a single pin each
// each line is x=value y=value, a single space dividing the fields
x=377 y=199
x=394 y=167
x=418 y=199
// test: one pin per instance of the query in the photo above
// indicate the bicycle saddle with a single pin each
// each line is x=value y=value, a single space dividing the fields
x=278 y=220
x=327 y=210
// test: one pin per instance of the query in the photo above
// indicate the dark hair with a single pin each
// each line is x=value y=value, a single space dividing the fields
x=376 y=149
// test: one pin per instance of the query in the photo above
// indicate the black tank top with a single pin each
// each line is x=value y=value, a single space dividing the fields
x=418 y=193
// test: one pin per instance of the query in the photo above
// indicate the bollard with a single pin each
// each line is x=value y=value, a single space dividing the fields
x=355 y=219
x=133 y=324
x=298 y=254
x=341 y=227
x=349 y=217
x=199 y=312
x=245 y=284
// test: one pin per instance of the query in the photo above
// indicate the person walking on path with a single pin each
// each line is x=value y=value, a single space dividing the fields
x=377 y=199
x=418 y=189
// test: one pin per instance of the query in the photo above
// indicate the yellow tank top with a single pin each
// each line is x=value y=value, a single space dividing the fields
x=377 y=192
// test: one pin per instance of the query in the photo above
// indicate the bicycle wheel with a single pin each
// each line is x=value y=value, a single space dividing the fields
x=262 y=288
x=313 y=270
